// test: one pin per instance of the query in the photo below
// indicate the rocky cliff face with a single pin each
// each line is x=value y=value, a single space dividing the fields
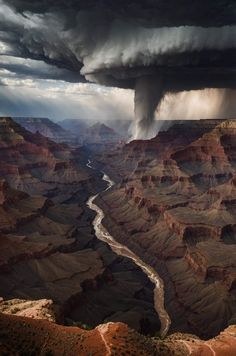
x=175 y=206
x=35 y=164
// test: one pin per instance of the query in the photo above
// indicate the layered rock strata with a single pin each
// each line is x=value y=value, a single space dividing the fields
x=174 y=205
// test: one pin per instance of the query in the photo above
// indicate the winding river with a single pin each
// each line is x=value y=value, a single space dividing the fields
x=103 y=235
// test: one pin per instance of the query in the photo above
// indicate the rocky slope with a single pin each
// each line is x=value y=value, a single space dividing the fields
x=175 y=207
x=33 y=163
x=36 y=309
x=25 y=336
x=47 y=244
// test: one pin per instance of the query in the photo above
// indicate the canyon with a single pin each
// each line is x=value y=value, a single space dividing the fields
x=48 y=248
x=174 y=206
x=170 y=211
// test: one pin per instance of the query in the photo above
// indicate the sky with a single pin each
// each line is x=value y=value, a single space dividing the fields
x=58 y=99
x=22 y=93
x=102 y=60
x=31 y=87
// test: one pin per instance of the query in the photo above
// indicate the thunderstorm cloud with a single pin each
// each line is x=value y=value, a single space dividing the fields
x=156 y=47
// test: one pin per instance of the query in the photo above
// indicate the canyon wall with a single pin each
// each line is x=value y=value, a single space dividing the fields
x=174 y=205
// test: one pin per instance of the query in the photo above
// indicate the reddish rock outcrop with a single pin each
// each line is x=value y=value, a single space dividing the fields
x=40 y=337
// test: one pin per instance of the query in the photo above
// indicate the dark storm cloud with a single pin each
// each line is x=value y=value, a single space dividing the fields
x=29 y=68
x=71 y=33
x=153 y=46
x=148 y=12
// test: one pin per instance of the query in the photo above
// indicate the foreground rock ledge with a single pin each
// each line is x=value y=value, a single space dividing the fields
x=27 y=336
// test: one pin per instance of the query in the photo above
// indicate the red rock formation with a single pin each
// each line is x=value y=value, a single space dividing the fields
x=33 y=163
x=41 y=337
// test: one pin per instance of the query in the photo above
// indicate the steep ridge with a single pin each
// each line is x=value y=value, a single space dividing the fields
x=175 y=207
x=26 y=336
x=47 y=243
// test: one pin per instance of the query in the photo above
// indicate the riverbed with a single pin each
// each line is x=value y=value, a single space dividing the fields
x=103 y=235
